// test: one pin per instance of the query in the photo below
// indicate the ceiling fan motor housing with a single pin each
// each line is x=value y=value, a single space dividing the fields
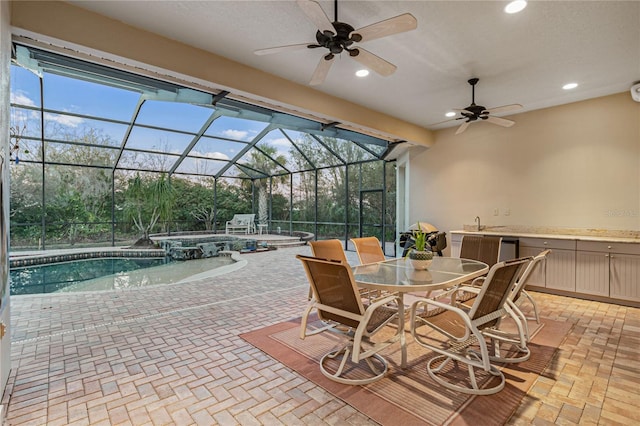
x=474 y=112
x=340 y=41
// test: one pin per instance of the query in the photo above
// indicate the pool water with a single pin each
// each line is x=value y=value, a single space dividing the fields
x=107 y=274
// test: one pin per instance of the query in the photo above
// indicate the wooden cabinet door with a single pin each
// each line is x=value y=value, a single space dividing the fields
x=561 y=270
x=537 y=277
x=625 y=277
x=592 y=273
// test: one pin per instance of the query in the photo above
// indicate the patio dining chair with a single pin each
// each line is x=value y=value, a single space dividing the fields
x=341 y=310
x=369 y=249
x=516 y=298
x=460 y=336
x=327 y=249
x=479 y=247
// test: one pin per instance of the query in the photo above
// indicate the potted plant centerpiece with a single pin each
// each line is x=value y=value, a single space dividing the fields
x=419 y=256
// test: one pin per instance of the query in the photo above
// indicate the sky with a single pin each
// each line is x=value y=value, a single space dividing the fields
x=87 y=98
x=114 y=107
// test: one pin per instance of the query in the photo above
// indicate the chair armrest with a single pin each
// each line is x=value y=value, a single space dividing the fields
x=474 y=290
x=376 y=304
x=447 y=292
x=478 y=281
x=368 y=313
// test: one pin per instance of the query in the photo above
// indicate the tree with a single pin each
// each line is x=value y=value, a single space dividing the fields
x=77 y=198
x=195 y=204
x=266 y=161
x=231 y=198
x=148 y=201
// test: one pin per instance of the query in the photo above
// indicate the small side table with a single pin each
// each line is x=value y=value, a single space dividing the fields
x=261 y=226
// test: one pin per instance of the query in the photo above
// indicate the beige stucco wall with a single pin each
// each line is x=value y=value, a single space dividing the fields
x=72 y=25
x=576 y=165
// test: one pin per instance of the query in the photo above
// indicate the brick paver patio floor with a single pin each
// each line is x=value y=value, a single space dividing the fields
x=172 y=355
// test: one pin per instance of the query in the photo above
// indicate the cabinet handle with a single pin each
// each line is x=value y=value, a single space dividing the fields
x=606 y=255
x=609 y=247
x=545 y=243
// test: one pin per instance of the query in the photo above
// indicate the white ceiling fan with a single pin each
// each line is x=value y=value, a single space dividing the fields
x=338 y=36
x=478 y=112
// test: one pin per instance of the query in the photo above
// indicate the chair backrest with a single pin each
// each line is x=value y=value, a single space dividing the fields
x=522 y=281
x=369 y=249
x=328 y=249
x=496 y=288
x=243 y=219
x=333 y=286
x=483 y=248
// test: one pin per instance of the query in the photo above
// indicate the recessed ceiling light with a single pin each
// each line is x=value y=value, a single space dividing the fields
x=362 y=73
x=515 y=6
x=570 y=86
x=450 y=114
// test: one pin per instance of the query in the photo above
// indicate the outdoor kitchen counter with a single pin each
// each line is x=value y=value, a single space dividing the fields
x=601 y=235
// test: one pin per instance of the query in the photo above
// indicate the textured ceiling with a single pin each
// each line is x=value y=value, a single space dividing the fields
x=523 y=58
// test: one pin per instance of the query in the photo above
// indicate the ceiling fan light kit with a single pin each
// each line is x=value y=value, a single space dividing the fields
x=338 y=36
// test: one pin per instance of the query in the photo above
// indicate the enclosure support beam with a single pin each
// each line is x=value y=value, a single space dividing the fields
x=346 y=207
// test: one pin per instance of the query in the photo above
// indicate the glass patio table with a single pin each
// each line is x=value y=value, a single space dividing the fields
x=397 y=275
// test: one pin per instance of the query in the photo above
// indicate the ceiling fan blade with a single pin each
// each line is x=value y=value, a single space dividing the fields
x=504 y=108
x=279 y=49
x=501 y=121
x=398 y=24
x=315 y=13
x=445 y=121
x=463 y=127
x=321 y=71
x=375 y=63
x=462 y=110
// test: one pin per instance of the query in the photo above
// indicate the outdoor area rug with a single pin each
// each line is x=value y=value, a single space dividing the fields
x=409 y=396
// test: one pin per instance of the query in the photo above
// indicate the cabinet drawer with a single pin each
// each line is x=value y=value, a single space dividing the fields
x=609 y=247
x=548 y=243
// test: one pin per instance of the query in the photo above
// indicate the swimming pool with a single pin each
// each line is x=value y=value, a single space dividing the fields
x=107 y=274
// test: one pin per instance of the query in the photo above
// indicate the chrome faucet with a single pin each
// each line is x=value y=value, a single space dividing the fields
x=478 y=220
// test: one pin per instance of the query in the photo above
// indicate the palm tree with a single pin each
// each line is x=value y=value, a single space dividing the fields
x=265 y=161
x=148 y=201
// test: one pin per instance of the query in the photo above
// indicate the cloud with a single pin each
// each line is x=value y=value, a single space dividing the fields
x=21 y=98
x=235 y=134
x=216 y=156
x=65 y=120
x=211 y=155
x=279 y=142
x=282 y=145
x=21 y=116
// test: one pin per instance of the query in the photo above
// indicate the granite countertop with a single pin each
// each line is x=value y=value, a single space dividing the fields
x=620 y=236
